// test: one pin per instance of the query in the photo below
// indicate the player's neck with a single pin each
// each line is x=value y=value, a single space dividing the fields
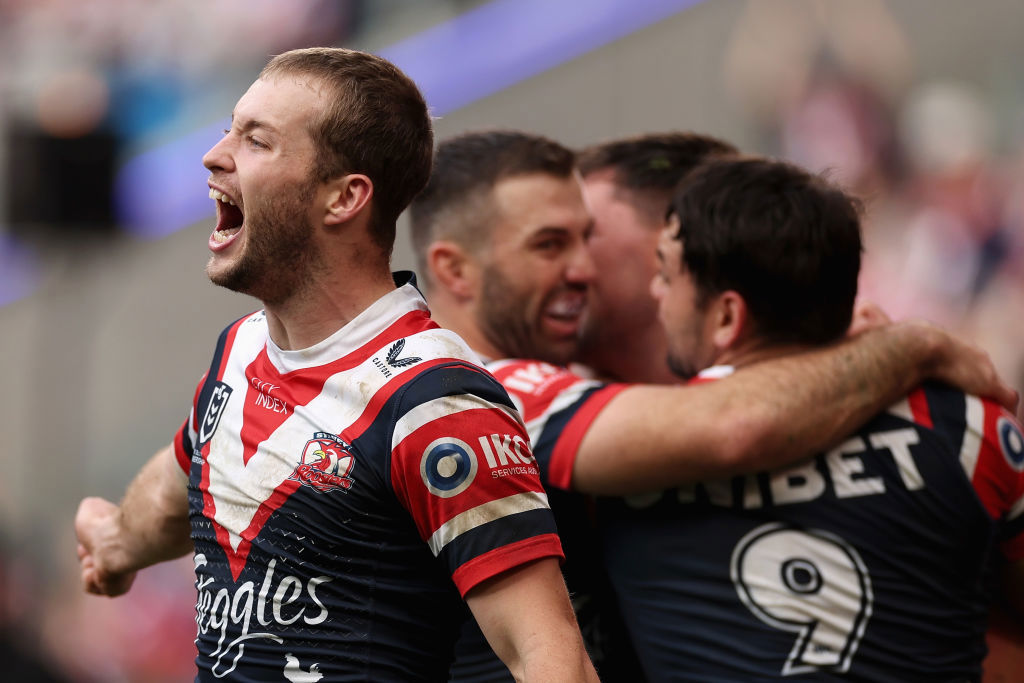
x=325 y=304
x=459 y=319
x=639 y=356
x=754 y=351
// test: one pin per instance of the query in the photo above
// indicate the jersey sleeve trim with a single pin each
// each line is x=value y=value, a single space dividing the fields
x=506 y=557
x=182 y=451
x=483 y=514
x=563 y=455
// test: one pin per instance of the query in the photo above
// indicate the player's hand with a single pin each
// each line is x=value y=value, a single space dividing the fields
x=867 y=316
x=966 y=366
x=99 y=548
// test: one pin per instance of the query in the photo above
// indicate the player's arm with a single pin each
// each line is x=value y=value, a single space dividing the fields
x=528 y=620
x=150 y=525
x=771 y=413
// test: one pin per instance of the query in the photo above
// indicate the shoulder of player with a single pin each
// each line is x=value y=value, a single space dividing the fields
x=536 y=378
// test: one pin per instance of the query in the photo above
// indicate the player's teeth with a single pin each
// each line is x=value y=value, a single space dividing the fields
x=220 y=197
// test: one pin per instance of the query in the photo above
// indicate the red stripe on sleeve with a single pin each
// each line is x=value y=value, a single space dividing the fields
x=430 y=510
x=998 y=483
x=506 y=557
x=563 y=455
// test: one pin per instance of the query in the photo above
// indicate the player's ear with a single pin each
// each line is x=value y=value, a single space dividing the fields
x=347 y=197
x=730 y=319
x=453 y=268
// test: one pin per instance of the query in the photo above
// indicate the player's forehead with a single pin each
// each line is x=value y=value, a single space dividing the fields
x=527 y=203
x=284 y=103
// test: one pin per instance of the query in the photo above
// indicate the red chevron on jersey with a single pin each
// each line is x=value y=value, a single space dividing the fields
x=268 y=401
x=356 y=478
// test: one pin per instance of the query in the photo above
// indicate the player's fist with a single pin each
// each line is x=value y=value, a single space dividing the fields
x=100 y=550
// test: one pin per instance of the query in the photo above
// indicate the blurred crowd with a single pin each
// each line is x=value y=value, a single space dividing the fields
x=944 y=218
x=938 y=165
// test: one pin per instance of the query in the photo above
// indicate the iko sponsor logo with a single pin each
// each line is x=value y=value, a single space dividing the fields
x=214 y=410
x=532 y=378
x=230 y=613
x=265 y=397
x=449 y=465
x=508 y=454
x=326 y=464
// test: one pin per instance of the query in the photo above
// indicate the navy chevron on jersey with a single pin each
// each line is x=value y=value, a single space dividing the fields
x=870 y=562
x=343 y=496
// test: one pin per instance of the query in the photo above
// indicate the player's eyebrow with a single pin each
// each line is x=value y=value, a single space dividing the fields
x=249 y=125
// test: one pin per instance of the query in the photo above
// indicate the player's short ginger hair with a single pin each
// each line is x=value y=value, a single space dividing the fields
x=376 y=123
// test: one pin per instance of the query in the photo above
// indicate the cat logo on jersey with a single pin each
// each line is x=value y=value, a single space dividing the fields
x=326 y=463
x=448 y=466
x=1012 y=443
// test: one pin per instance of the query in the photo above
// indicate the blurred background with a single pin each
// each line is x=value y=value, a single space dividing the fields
x=107 y=320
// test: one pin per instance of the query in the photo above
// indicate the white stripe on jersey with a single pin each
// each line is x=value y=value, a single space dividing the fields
x=429 y=411
x=902 y=409
x=971 y=447
x=482 y=514
x=565 y=398
x=1016 y=510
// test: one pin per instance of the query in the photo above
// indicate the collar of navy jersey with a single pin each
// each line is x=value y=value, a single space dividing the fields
x=357 y=332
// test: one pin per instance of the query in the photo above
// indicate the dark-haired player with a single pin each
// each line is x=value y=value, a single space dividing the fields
x=869 y=561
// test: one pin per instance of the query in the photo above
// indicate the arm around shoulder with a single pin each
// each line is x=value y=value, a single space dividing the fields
x=770 y=413
x=527 y=618
x=150 y=525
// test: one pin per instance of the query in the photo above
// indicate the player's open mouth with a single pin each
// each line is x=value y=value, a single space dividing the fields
x=565 y=310
x=229 y=219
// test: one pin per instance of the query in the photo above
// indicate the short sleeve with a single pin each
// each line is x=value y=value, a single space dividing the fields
x=461 y=464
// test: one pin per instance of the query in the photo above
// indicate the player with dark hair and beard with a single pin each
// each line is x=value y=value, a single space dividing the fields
x=336 y=478
x=501 y=234
x=870 y=561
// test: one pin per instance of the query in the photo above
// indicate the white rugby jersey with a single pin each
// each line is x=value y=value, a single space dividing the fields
x=343 y=496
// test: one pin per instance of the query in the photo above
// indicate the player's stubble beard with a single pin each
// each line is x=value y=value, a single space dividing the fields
x=509 y=324
x=279 y=255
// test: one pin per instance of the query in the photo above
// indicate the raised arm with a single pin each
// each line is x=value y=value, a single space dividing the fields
x=150 y=525
x=770 y=413
x=527 y=618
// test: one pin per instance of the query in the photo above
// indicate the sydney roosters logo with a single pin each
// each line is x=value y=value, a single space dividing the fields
x=326 y=464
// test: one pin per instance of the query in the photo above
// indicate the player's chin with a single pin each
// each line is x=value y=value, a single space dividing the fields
x=560 y=350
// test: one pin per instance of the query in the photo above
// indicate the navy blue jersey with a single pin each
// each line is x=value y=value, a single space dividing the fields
x=869 y=562
x=345 y=497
